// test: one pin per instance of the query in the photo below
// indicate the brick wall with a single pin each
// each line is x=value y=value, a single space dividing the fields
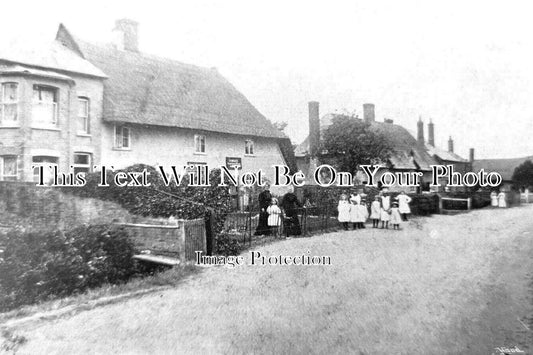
x=44 y=208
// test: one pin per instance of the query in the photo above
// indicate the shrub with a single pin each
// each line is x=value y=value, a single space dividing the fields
x=39 y=266
x=187 y=202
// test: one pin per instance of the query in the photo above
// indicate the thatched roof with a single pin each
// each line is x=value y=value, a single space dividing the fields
x=505 y=167
x=150 y=90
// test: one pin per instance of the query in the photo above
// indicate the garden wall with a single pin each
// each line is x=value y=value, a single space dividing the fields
x=48 y=208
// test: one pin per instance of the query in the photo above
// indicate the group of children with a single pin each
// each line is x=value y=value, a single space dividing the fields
x=355 y=210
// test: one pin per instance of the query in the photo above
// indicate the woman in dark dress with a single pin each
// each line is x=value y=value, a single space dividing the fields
x=264 y=201
x=290 y=206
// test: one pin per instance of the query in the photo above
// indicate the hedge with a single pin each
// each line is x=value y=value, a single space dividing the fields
x=38 y=266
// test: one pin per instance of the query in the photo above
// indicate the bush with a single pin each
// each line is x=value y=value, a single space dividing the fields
x=187 y=203
x=36 y=266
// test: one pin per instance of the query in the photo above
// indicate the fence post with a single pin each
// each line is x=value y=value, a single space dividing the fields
x=327 y=217
x=209 y=231
x=182 y=241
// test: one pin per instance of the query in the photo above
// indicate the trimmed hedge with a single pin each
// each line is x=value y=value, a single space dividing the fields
x=40 y=266
x=190 y=202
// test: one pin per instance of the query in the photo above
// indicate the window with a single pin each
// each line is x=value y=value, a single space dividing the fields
x=83 y=115
x=122 y=137
x=199 y=143
x=9 y=104
x=46 y=162
x=82 y=163
x=249 y=147
x=9 y=168
x=44 y=105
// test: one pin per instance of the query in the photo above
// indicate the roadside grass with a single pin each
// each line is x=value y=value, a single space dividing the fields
x=160 y=279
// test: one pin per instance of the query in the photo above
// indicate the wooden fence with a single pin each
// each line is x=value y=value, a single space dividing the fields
x=168 y=244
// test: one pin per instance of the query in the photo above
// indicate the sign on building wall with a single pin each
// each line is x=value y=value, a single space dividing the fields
x=233 y=162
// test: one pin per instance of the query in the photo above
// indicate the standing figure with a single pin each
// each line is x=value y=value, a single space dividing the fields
x=501 y=200
x=362 y=213
x=385 y=211
x=344 y=211
x=274 y=217
x=375 y=210
x=290 y=205
x=395 y=217
x=354 y=215
x=265 y=197
x=494 y=199
x=403 y=204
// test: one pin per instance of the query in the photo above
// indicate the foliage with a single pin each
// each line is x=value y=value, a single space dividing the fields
x=287 y=150
x=228 y=244
x=38 y=266
x=187 y=202
x=523 y=175
x=350 y=142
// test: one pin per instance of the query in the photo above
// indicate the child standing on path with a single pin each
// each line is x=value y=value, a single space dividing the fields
x=384 y=214
x=395 y=217
x=354 y=212
x=274 y=217
x=344 y=211
x=362 y=214
x=375 y=210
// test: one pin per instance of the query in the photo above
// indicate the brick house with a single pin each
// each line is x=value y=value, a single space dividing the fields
x=74 y=103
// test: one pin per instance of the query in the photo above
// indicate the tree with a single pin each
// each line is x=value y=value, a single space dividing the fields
x=350 y=142
x=523 y=175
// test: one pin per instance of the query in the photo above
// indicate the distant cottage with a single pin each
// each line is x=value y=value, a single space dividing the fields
x=73 y=103
x=410 y=154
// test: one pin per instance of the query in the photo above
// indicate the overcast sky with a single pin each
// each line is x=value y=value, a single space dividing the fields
x=468 y=65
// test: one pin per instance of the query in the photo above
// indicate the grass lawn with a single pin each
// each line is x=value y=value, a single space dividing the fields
x=442 y=285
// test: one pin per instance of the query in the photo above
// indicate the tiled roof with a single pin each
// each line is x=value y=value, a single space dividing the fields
x=505 y=167
x=48 y=55
x=150 y=90
x=407 y=152
x=444 y=154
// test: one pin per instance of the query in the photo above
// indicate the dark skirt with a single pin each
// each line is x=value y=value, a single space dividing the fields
x=292 y=225
x=262 y=224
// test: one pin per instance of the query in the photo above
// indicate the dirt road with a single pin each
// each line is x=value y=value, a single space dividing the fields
x=442 y=285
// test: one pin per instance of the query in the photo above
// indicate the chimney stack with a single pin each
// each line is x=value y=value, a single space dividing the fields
x=368 y=113
x=471 y=155
x=420 y=133
x=431 y=133
x=450 y=144
x=314 y=128
x=126 y=35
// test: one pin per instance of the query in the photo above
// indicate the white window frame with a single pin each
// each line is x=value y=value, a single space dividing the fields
x=46 y=171
x=249 y=143
x=119 y=144
x=86 y=124
x=198 y=138
x=2 y=168
x=3 y=104
x=55 y=107
x=83 y=166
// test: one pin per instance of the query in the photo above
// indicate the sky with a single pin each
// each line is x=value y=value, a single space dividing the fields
x=466 y=65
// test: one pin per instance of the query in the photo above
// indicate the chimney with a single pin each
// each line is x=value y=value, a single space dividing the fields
x=126 y=35
x=420 y=133
x=314 y=128
x=450 y=144
x=471 y=155
x=431 y=133
x=368 y=113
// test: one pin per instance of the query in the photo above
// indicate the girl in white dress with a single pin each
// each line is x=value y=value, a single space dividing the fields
x=403 y=205
x=395 y=217
x=375 y=211
x=385 y=210
x=501 y=200
x=344 y=208
x=362 y=214
x=494 y=199
x=274 y=217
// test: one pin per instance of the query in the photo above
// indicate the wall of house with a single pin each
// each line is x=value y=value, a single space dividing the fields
x=28 y=139
x=168 y=146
